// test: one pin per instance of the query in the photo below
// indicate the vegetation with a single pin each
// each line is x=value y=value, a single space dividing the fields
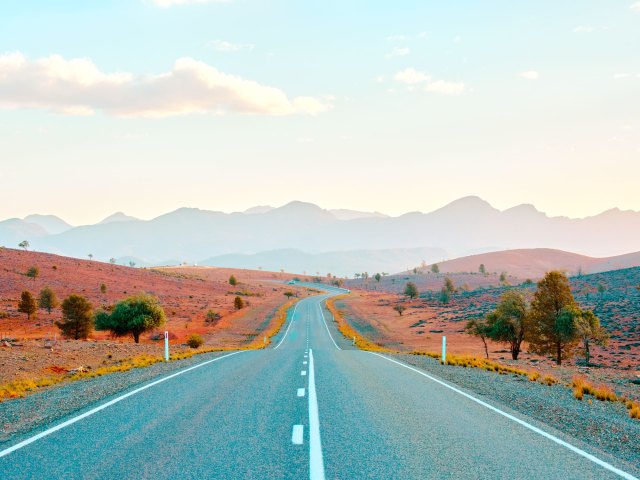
x=212 y=317
x=233 y=281
x=238 y=303
x=289 y=294
x=482 y=269
x=445 y=296
x=588 y=330
x=378 y=277
x=410 y=290
x=349 y=332
x=33 y=273
x=399 y=309
x=132 y=316
x=449 y=285
x=27 y=304
x=77 y=317
x=435 y=268
x=47 y=300
x=478 y=328
x=509 y=321
x=24 y=244
x=195 y=341
x=103 y=288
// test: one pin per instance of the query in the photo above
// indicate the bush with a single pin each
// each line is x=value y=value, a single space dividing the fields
x=212 y=317
x=195 y=341
x=238 y=303
x=132 y=316
x=233 y=281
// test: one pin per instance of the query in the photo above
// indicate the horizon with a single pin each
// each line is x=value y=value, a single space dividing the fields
x=400 y=108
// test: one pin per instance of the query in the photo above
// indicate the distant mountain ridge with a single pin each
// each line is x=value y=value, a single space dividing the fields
x=465 y=226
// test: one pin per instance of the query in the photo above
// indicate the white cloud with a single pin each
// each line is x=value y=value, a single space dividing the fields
x=530 y=75
x=224 y=46
x=78 y=87
x=619 y=76
x=399 y=52
x=635 y=7
x=397 y=38
x=171 y=3
x=412 y=78
x=584 y=29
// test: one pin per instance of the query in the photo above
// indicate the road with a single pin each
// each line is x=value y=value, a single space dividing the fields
x=310 y=407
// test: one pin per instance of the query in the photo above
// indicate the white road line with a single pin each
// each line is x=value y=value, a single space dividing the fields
x=73 y=420
x=301 y=392
x=293 y=316
x=533 y=428
x=297 y=435
x=316 y=464
x=303 y=373
x=325 y=326
x=304 y=363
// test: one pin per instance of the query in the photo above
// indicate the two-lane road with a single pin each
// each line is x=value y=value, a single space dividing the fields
x=311 y=407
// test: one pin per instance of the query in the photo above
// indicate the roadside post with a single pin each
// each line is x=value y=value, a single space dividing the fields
x=444 y=350
x=166 y=346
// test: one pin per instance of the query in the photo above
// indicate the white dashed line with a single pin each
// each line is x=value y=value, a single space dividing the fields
x=303 y=373
x=304 y=363
x=297 y=435
x=301 y=392
x=316 y=464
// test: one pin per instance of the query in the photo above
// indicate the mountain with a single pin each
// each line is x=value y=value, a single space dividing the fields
x=344 y=214
x=50 y=223
x=117 y=217
x=258 y=210
x=337 y=263
x=465 y=226
x=534 y=263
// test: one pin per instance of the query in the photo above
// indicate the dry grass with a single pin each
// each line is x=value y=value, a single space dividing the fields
x=582 y=387
x=279 y=319
x=349 y=332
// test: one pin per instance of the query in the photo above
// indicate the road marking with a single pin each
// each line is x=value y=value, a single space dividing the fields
x=316 y=464
x=293 y=315
x=533 y=428
x=325 y=325
x=73 y=420
x=301 y=392
x=303 y=373
x=297 y=434
x=304 y=363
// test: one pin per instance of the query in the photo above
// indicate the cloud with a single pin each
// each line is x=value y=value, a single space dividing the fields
x=635 y=7
x=227 y=47
x=78 y=87
x=618 y=76
x=171 y=3
x=584 y=29
x=397 y=38
x=530 y=75
x=398 y=52
x=413 y=78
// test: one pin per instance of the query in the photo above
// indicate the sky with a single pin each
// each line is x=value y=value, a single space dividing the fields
x=146 y=106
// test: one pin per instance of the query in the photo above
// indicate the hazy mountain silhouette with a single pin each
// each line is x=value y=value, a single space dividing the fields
x=465 y=226
x=117 y=217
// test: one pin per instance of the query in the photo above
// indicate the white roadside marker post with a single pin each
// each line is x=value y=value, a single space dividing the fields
x=354 y=341
x=166 y=346
x=444 y=350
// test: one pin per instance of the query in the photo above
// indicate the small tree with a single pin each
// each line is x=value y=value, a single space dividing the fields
x=24 y=244
x=589 y=330
x=503 y=277
x=601 y=289
x=112 y=261
x=289 y=294
x=449 y=285
x=90 y=256
x=103 y=288
x=33 y=273
x=238 y=303
x=377 y=277
x=435 y=268
x=233 y=281
x=27 y=304
x=132 y=316
x=410 y=290
x=399 y=309
x=482 y=269
x=77 y=317
x=553 y=311
x=478 y=328
x=445 y=296
x=509 y=321
x=47 y=300
x=132 y=263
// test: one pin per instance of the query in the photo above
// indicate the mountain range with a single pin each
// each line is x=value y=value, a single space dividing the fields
x=300 y=233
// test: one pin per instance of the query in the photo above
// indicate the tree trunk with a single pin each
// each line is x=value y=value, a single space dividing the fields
x=587 y=354
x=486 y=349
x=559 y=353
x=136 y=337
x=515 y=350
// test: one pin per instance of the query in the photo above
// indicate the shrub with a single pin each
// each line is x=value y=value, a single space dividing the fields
x=195 y=341
x=33 y=273
x=233 y=281
x=133 y=316
x=77 y=317
x=212 y=317
x=238 y=303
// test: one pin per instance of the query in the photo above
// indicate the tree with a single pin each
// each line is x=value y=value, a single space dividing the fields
x=552 y=328
x=435 y=268
x=27 y=304
x=589 y=330
x=601 y=289
x=103 y=288
x=482 y=269
x=399 y=309
x=232 y=281
x=24 y=244
x=33 y=273
x=77 y=317
x=47 y=300
x=212 y=317
x=238 y=303
x=289 y=294
x=449 y=285
x=112 y=261
x=410 y=290
x=378 y=277
x=509 y=321
x=132 y=316
x=90 y=256
x=445 y=296
x=132 y=263
x=478 y=328
x=503 y=277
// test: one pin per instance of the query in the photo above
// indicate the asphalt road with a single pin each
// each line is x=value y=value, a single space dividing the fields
x=310 y=407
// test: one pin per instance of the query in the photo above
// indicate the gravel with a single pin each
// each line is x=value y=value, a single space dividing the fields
x=29 y=414
x=603 y=425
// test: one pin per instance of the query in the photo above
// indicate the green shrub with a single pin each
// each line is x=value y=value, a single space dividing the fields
x=195 y=341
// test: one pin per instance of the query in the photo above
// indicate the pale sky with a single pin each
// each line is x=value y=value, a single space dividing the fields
x=145 y=106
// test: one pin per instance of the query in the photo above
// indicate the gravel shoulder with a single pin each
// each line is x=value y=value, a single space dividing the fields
x=604 y=426
x=23 y=417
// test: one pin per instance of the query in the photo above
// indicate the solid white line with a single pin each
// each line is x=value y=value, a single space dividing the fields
x=73 y=420
x=293 y=315
x=301 y=392
x=303 y=373
x=316 y=464
x=325 y=326
x=297 y=435
x=533 y=428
